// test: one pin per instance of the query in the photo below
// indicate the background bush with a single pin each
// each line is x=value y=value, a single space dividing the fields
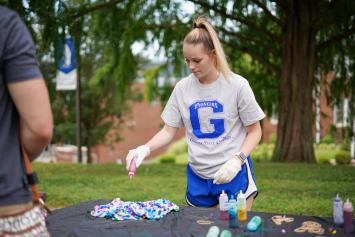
x=167 y=159
x=342 y=157
x=327 y=139
x=262 y=152
x=325 y=152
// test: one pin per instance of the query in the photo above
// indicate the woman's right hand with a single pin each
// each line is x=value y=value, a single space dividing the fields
x=138 y=154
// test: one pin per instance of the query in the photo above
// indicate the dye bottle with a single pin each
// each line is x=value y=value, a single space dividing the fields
x=132 y=168
x=232 y=212
x=223 y=206
x=254 y=224
x=242 y=207
x=348 y=217
x=338 y=211
x=213 y=231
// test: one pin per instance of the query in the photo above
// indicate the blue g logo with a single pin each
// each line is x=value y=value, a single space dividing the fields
x=217 y=123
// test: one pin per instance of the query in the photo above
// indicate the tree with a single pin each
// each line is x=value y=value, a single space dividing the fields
x=106 y=64
x=289 y=39
x=104 y=32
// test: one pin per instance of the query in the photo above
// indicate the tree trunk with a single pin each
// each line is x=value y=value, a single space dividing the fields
x=294 y=131
x=88 y=144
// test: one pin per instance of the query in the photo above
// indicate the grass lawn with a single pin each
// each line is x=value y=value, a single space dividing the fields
x=284 y=188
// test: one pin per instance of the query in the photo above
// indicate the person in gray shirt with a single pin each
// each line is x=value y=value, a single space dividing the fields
x=221 y=116
x=25 y=120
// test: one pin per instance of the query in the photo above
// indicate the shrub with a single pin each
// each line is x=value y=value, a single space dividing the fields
x=323 y=158
x=342 y=157
x=179 y=147
x=263 y=152
x=345 y=144
x=182 y=158
x=167 y=159
x=272 y=138
x=325 y=152
x=324 y=146
x=327 y=139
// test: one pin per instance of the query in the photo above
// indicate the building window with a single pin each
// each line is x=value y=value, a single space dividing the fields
x=341 y=114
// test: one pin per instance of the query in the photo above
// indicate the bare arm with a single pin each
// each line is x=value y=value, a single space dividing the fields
x=163 y=137
x=36 y=121
x=252 y=139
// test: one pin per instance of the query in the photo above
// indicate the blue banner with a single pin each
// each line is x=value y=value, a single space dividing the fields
x=67 y=74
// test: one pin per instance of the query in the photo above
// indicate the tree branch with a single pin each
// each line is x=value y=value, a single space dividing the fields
x=268 y=13
x=271 y=67
x=247 y=40
x=336 y=38
x=79 y=12
x=223 y=12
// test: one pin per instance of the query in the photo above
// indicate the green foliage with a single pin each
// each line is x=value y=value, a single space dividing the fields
x=64 y=133
x=322 y=158
x=176 y=152
x=178 y=147
x=151 y=89
x=263 y=152
x=342 y=157
x=252 y=34
x=345 y=144
x=167 y=159
x=182 y=158
x=272 y=138
x=325 y=152
x=328 y=139
x=104 y=32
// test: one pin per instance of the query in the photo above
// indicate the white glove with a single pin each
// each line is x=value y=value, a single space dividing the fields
x=228 y=171
x=139 y=154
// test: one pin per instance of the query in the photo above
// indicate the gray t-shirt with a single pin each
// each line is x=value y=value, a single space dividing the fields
x=215 y=117
x=17 y=63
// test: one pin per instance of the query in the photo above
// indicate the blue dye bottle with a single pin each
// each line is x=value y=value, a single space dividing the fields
x=232 y=212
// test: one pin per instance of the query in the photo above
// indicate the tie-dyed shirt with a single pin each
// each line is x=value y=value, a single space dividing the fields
x=119 y=210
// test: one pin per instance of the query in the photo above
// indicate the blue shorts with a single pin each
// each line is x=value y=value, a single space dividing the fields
x=204 y=193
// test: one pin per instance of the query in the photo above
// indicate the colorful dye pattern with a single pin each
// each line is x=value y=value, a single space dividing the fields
x=118 y=210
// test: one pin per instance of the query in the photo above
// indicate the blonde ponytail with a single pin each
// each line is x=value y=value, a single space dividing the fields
x=203 y=32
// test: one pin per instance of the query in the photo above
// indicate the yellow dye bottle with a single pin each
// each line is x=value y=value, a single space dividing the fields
x=242 y=207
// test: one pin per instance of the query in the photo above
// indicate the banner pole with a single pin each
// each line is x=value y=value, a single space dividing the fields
x=77 y=102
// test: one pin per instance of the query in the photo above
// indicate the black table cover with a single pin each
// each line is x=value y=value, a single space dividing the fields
x=189 y=221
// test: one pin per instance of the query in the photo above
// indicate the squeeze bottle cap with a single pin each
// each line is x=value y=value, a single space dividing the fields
x=223 y=194
x=337 y=198
x=241 y=194
x=348 y=205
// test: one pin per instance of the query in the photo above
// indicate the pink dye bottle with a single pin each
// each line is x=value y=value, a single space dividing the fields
x=132 y=168
x=223 y=206
x=348 y=217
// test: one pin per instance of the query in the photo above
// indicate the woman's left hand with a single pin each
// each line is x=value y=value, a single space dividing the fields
x=228 y=171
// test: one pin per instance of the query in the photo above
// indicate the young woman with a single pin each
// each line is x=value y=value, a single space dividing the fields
x=221 y=118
